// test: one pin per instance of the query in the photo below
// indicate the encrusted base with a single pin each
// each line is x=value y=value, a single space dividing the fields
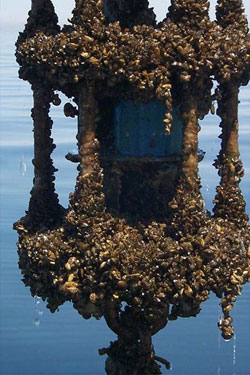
x=99 y=262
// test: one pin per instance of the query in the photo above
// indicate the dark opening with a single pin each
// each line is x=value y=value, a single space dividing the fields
x=139 y=160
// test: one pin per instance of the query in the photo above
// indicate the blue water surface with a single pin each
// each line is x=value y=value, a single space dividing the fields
x=35 y=342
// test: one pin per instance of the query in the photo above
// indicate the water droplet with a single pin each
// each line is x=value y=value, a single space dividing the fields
x=23 y=166
x=234 y=351
x=38 y=310
x=74 y=151
x=220 y=320
x=219 y=338
x=36 y=322
x=226 y=340
x=37 y=300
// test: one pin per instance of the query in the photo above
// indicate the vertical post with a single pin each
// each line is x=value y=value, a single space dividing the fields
x=229 y=202
x=87 y=143
x=44 y=209
x=132 y=332
x=228 y=111
x=190 y=143
x=88 y=201
x=188 y=205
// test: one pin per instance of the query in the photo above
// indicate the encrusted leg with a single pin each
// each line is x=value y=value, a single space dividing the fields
x=44 y=208
x=229 y=202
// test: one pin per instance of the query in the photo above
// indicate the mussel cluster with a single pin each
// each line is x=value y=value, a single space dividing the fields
x=184 y=51
x=95 y=258
x=137 y=272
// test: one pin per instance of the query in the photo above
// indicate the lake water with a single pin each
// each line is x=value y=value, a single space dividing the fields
x=35 y=342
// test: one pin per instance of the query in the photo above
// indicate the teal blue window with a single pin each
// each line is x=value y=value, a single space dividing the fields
x=140 y=130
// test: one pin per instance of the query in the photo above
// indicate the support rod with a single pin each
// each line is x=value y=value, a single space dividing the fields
x=86 y=127
x=44 y=209
x=190 y=142
x=229 y=202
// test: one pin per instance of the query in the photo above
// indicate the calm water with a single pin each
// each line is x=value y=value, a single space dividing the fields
x=35 y=342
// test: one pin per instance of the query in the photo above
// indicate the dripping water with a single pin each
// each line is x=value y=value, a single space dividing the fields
x=38 y=311
x=23 y=166
x=234 y=355
x=219 y=340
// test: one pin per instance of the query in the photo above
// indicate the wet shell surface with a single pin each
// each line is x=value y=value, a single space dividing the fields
x=161 y=268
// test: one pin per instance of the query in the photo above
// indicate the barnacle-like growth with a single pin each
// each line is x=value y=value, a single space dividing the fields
x=136 y=244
